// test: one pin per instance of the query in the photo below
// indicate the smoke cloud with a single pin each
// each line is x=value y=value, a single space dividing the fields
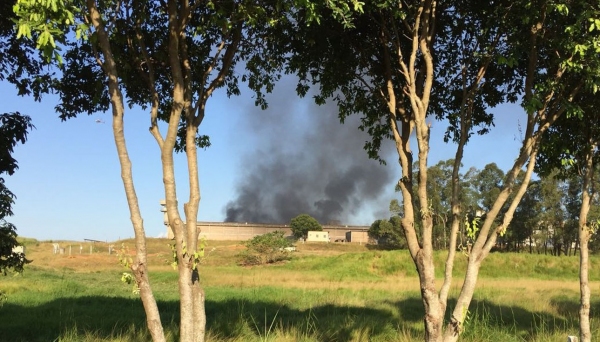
x=304 y=161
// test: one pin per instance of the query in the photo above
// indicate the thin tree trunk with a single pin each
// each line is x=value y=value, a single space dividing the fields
x=584 y=286
x=184 y=249
x=584 y=237
x=485 y=242
x=139 y=268
x=191 y=214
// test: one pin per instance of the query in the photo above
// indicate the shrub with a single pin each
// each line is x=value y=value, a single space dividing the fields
x=388 y=233
x=265 y=249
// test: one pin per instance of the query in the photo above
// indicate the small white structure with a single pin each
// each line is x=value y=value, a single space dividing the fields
x=163 y=209
x=55 y=248
x=316 y=236
x=19 y=249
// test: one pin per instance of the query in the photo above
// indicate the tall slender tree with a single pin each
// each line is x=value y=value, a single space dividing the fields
x=167 y=57
x=572 y=146
x=399 y=67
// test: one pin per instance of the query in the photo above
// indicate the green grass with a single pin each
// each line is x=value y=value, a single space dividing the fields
x=336 y=296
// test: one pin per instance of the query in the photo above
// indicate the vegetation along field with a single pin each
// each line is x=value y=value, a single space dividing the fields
x=326 y=292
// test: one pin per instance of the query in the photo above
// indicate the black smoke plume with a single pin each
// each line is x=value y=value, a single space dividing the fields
x=305 y=161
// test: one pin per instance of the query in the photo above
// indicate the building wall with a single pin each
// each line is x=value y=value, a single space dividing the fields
x=317 y=236
x=244 y=231
x=358 y=237
x=237 y=231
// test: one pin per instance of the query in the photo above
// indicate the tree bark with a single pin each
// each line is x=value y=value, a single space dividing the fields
x=198 y=309
x=484 y=244
x=584 y=237
x=139 y=268
x=186 y=322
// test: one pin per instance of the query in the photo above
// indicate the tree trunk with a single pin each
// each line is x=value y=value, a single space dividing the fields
x=487 y=239
x=584 y=310
x=139 y=267
x=191 y=214
x=455 y=326
x=584 y=237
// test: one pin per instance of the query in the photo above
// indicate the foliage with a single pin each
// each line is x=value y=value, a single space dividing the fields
x=9 y=260
x=20 y=63
x=488 y=183
x=18 y=66
x=302 y=224
x=388 y=233
x=168 y=58
x=14 y=128
x=126 y=261
x=265 y=249
x=402 y=65
x=526 y=227
x=395 y=64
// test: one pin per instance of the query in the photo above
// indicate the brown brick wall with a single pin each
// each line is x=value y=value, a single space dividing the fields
x=245 y=231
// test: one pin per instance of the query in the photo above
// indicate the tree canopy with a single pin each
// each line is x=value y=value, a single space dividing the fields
x=404 y=64
x=304 y=223
x=168 y=58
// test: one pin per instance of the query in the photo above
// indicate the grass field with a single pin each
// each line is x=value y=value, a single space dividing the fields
x=327 y=292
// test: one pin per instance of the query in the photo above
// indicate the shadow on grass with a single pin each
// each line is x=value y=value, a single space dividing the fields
x=108 y=318
x=568 y=307
x=377 y=247
x=488 y=318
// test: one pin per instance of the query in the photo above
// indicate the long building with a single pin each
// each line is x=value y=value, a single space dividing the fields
x=244 y=231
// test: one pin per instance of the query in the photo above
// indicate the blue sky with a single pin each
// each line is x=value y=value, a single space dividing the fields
x=68 y=185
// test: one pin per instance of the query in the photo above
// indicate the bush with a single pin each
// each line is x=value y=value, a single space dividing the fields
x=265 y=249
x=388 y=233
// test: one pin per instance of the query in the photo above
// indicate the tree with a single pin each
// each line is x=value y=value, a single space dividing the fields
x=14 y=128
x=488 y=184
x=302 y=224
x=524 y=238
x=572 y=146
x=388 y=233
x=399 y=66
x=167 y=57
x=266 y=249
x=526 y=220
x=27 y=74
x=552 y=216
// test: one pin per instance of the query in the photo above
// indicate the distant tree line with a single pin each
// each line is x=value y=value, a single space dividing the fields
x=546 y=220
